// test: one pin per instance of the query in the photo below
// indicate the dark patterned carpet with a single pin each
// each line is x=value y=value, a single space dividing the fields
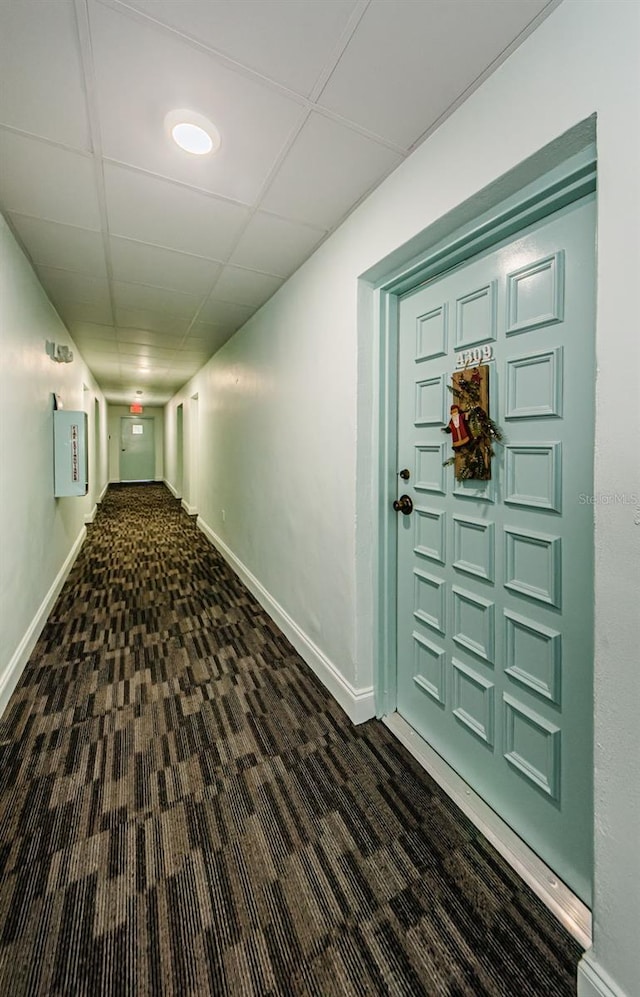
x=185 y=810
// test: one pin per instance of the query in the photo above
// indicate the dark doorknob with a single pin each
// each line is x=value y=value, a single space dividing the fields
x=403 y=505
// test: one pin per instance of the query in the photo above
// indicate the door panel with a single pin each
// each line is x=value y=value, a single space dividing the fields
x=137 y=449
x=495 y=578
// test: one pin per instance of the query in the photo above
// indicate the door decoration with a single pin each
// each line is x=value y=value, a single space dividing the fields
x=472 y=430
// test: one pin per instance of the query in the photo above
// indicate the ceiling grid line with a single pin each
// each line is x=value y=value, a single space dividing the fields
x=348 y=33
x=65 y=147
x=137 y=15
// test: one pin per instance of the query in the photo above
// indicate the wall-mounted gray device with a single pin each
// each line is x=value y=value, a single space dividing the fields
x=71 y=466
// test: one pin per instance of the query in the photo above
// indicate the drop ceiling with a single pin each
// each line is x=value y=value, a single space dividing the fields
x=153 y=257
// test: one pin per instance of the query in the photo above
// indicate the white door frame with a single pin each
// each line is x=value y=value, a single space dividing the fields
x=446 y=245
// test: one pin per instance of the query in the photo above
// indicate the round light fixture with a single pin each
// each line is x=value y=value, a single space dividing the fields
x=192 y=132
x=192 y=138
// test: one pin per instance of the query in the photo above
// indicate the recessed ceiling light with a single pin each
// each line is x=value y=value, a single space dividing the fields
x=192 y=132
x=192 y=138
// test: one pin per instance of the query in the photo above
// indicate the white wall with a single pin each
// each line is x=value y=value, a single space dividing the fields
x=39 y=534
x=114 y=413
x=279 y=408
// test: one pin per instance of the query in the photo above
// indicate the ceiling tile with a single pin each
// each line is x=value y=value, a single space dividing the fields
x=328 y=167
x=206 y=337
x=102 y=346
x=108 y=360
x=91 y=330
x=143 y=264
x=150 y=210
x=184 y=369
x=441 y=46
x=115 y=392
x=225 y=314
x=158 y=299
x=64 y=246
x=142 y=73
x=40 y=60
x=81 y=311
x=149 y=338
x=140 y=370
x=105 y=368
x=189 y=356
x=163 y=378
x=275 y=245
x=141 y=318
x=148 y=352
x=288 y=42
x=39 y=179
x=68 y=286
x=245 y=287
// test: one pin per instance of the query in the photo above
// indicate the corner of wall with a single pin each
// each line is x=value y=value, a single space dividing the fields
x=593 y=981
x=358 y=704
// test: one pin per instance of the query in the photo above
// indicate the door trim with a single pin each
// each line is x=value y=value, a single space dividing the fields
x=562 y=186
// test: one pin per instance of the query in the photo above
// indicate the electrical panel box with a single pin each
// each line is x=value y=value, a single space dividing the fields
x=71 y=465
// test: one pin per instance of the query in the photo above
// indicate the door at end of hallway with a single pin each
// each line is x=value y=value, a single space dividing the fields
x=137 y=449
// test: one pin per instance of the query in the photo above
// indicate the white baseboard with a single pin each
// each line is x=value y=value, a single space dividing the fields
x=569 y=909
x=190 y=510
x=90 y=516
x=173 y=491
x=593 y=981
x=14 y=669
x=358 y=704
x=103 y=493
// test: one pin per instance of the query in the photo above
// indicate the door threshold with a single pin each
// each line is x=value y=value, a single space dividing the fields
x=572 y=913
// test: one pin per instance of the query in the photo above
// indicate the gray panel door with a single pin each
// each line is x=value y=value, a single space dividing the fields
x=495 y=578
x=137 y=449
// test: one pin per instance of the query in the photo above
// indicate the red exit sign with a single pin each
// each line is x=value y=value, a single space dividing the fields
x=135 y=409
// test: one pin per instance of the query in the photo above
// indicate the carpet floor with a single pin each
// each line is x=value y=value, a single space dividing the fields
x=185 y=810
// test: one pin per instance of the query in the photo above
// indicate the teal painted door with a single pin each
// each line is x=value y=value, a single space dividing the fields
x=495 y=578
x=137 y=449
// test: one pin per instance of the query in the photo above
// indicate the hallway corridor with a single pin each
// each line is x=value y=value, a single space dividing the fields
x=185 y=810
